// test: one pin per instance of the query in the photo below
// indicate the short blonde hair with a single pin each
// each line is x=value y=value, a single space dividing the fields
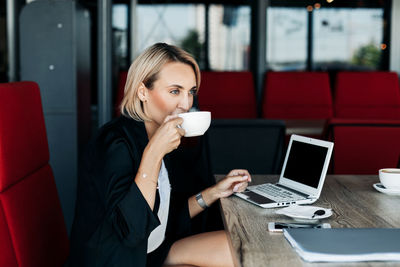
x=145 y=69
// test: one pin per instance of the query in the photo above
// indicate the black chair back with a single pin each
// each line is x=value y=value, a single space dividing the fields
x=398 y=163
x=253 y=144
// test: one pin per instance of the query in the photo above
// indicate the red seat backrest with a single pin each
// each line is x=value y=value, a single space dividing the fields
x=367 y=95
x=32 y=226
x=364 y=146
x=228 y=94
x=120 y=92
x=297 y=95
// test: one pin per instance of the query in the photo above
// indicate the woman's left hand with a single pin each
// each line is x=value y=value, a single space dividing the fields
x=235 y=181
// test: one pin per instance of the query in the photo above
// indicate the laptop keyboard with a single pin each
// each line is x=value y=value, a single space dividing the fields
x=276 y=193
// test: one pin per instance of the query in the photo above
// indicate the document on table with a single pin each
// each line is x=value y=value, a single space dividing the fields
x=345 y=244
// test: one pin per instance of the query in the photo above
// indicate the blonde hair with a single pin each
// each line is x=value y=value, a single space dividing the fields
x=145 y=69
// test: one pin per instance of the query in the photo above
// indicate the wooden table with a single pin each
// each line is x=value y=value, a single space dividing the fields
x=305 y=127
x=355 y=203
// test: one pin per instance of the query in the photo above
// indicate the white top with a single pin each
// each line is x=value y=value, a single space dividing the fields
x=157 y=236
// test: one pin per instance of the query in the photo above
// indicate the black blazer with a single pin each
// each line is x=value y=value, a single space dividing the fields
x=112 y=219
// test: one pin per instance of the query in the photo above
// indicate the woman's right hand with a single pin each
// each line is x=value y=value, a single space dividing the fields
x=168 y=136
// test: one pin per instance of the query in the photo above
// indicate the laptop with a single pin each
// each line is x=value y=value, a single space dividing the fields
x=302 y=177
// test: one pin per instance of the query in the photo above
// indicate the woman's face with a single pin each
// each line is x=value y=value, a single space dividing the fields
x=172 y=92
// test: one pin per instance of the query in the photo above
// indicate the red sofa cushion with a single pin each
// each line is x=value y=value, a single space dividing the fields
x=367 y=95
x=7 y=255
x=297 y=95
x=23 y=140
x=228 y=94
x=35 y=221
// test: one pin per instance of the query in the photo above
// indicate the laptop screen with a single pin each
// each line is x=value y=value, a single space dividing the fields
x=305 y=163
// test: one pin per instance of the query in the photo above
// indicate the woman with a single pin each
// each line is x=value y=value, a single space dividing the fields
x=132 y=209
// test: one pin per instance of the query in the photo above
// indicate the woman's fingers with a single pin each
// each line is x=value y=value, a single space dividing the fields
x=235 y=181
x=240 y=187
x=173 y=122
x=229 y=181
x=236 y=172
x=177 y=121
x=181 y=131
x=170 y=117
x=236 y=188
x=176 y=125
x=168 y=136
x=240 y=172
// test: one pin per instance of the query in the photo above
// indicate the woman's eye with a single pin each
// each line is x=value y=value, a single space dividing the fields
x=174 y=92
x=193 y=92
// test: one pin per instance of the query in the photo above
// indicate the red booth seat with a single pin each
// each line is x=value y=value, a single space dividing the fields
x=367 y=95
x=228 y=94
x=364 y=146
x=297 y=95
x=7 y=255
x=32 y=227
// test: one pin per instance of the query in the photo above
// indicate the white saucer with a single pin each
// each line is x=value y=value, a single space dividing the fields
x=304 y=213
x=382 y=189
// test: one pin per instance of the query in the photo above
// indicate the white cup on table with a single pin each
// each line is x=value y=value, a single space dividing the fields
x=390 y=178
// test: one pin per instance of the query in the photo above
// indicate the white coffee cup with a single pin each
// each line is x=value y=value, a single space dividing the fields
x=195 y=123
x=390 y=178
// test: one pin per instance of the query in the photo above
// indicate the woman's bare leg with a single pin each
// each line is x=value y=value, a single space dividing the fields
x=206 y=249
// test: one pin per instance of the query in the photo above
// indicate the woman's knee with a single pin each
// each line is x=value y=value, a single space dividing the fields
x=206 y=249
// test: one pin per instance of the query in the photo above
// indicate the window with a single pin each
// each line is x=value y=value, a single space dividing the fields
x=229 y=37
x=120 y=35
x=341 y=37
x=184 y=25
x=176 y=24
x=286 y=38
x=3 y=43
x=347 y=38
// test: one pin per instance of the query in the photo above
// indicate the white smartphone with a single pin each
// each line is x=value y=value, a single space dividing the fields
x=278 y=227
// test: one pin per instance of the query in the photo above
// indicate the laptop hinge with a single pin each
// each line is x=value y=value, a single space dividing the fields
x=295 y=191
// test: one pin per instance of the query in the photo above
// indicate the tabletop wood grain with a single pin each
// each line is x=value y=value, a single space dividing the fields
x=353 y=200
x=305 y=127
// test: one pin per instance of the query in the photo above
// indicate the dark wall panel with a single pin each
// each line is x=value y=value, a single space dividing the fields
x=55 y=53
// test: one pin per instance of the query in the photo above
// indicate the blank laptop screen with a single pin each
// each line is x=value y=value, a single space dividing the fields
x=305 y=163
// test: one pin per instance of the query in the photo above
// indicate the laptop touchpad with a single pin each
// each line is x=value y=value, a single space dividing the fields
x=257 y=198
